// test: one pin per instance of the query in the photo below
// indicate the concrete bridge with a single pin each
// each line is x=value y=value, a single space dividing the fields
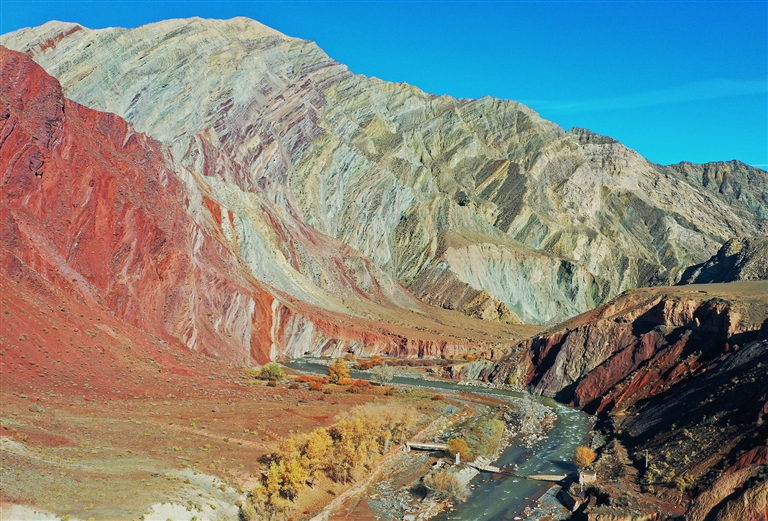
x=486 y=468
x=548 y=477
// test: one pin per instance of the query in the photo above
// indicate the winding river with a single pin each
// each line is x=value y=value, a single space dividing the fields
x=497 y=497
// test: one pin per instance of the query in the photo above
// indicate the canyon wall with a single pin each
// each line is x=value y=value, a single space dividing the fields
x=679 y=372
x=640 y=343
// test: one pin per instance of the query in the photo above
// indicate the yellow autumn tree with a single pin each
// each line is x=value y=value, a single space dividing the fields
x=584 y=457
x=459 y=446
x=274 y=482
x=317 y=449
x=338 y=370
x=295 y=477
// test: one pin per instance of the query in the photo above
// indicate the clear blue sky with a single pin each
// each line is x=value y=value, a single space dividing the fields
x=675 y=80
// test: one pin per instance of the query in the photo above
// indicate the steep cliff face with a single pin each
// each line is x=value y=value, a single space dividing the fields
x=741 y=258
x=639 y=344
x=679 y=372
x=105 y=214
x=707 y=437
x=476 y=205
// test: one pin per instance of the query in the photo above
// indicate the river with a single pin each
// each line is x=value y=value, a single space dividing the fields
x=496 y=497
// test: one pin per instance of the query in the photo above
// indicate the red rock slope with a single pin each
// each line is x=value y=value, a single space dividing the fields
x=639 y=344
x=96 y=209
x=677 y=372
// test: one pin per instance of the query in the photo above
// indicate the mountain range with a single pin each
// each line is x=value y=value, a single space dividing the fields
x=340 y=191
x=216 y=188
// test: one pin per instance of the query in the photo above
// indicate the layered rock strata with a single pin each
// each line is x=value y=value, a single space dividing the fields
x=476 y=205
x=106 y=215
x=638 y=344
x=679 y=372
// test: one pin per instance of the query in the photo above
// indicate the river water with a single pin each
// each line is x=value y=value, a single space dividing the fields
x=496 y=497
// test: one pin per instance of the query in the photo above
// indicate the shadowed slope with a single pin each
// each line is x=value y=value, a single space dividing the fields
x=741 y=258
x=678 y=371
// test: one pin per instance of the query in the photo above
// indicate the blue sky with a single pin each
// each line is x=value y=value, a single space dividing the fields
x=674 y=80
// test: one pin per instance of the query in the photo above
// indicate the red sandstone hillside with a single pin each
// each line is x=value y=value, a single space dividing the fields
x=679 y=372
x=96 y=210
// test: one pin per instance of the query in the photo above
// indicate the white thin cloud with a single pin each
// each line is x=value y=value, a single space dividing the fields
x=696 y=91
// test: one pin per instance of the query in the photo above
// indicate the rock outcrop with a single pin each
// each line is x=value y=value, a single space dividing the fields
x=679 y=372
x=741 y=258
x=456 y=199
x=638 y=344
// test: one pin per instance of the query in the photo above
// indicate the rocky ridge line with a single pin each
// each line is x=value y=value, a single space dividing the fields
x=741 y=258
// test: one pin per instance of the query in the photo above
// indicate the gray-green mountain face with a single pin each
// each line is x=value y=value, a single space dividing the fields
x=741 y=258
x=475 y=205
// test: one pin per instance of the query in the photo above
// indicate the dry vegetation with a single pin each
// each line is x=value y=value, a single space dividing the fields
x=355 y=444
x=92 y=454
x=445 y=484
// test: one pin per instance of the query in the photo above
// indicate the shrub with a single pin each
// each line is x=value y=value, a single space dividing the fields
x=271 y=371
x=444 y=484
x=485 y=437
x=359 y=386
x=364 y=365
x=390 y=391
x=345 y=381
x=382 y=373
x=438 y=397
x=684 y=482
x=272 y=383
x=315 y=386
x=294 y=385
x=584 y=457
